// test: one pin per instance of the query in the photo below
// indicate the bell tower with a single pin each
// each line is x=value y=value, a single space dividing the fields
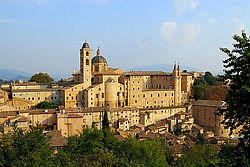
x=85 y=64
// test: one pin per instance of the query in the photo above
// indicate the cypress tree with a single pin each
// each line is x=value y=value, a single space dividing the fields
x=105 y=122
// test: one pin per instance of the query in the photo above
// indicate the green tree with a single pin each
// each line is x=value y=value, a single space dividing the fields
x=200 y=155
x=45 y=105
x=201 y=81
x=211 y=80
x=105 y=122
x=231 y=156
x=151 y=152
x=41 y=78
x=86 y=149
x=31 y=148
x=198 y=92
x=237 y=71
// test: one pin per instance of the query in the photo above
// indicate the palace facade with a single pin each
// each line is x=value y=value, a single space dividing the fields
x=98 y=85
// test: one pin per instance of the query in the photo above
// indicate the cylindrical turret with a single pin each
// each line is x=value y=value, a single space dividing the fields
x=110 y=93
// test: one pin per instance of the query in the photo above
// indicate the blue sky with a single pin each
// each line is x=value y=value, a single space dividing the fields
x=46 y=35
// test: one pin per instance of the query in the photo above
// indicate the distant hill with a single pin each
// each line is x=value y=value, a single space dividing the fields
x=162 y=67
x=14 y=75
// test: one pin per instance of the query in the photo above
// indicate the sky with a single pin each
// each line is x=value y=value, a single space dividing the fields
x=46 y=35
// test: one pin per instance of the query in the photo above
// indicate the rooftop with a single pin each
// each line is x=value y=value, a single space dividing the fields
x=210 y=103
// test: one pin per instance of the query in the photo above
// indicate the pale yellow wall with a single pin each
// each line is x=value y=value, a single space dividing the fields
x=46 y=119
x=69 y=125
x=5 y=107
x=20 y=104
x=35 y=97
x=29 y=86
x=104 y=94
x=72 y=97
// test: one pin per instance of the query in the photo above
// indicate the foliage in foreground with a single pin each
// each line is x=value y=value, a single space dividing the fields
x=91 y=148
x=30 y=148
x=237 y=71
x=101 y=148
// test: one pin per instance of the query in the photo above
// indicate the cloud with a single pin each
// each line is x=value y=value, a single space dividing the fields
x=211 y=21
x=190 y=33
x=182 y=5
x=168 y=29
x=185 y=35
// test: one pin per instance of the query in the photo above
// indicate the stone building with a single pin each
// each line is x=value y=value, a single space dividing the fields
x=205 y=115
x=102 y=86
x=98 y=85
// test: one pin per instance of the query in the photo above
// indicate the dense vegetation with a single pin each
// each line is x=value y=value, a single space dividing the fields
x=237 y=71
x=41 y=78
x=209 y=88
x=26 y=149
x=45 y=105
x=101 y=148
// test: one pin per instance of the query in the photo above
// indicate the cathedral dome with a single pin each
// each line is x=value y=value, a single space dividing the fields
x=85 y=45
x=98 y=58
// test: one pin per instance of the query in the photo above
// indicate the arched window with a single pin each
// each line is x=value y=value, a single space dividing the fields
x=102 y=69
x=87 y=53
x=87 y=61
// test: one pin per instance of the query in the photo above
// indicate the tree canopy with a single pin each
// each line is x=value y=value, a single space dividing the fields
x=94 y=147
x=45 y=105
x=209 y=88
x=237 y=71
x=31 y=148
x=105 y=122
x=41 y=78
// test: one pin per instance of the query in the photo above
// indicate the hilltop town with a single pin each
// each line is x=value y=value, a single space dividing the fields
x=143 y=104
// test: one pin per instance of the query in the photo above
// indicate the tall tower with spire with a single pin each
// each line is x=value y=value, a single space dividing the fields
x=177 y=85
x=85 y=64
